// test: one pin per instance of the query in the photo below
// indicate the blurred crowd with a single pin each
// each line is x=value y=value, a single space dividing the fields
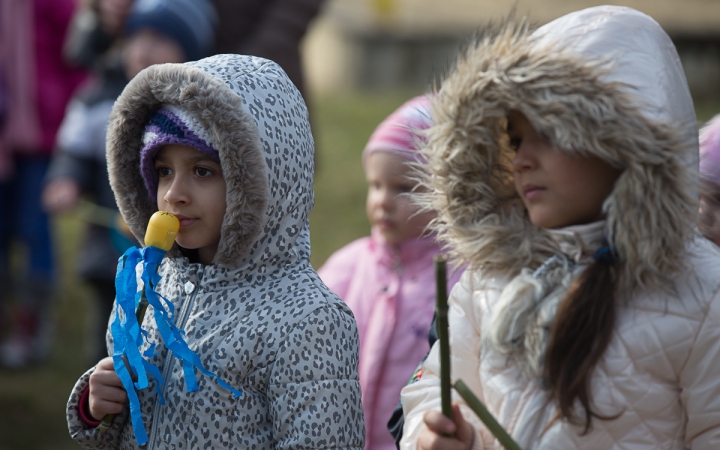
x=63 y=63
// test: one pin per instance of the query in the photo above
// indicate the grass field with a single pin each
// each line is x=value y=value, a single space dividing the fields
x=32 y=401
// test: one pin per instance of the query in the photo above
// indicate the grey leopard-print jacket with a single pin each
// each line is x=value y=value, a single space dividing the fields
x=259 y=317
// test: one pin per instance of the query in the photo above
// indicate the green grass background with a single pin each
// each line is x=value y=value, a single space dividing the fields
x=32 y=401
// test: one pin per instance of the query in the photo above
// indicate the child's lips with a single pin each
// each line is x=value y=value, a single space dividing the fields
x=532 y=192
x=185 y=221
x=385 y=224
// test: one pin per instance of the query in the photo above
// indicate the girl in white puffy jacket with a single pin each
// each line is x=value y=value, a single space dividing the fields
x=563 y=167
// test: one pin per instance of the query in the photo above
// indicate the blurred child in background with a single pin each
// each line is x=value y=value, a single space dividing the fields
x=387 y=279
x=567 y=178
x=38 y=84
x=710 y=180
x=269 y=29
x=156 y=32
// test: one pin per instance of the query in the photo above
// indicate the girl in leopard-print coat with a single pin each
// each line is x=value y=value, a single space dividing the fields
x=254 y=310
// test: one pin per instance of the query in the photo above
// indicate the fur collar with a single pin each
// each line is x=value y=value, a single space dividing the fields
x=524 y=313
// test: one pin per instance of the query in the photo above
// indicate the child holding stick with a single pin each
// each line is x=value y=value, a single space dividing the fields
x=563 y=166
x=224 y=144
x=387 y=278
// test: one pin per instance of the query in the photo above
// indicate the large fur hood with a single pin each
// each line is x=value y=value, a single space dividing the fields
x=259 y=122
x=592 y=89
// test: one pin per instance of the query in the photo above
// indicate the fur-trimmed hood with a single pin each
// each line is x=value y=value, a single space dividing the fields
x=614 y=89
x=259 y=124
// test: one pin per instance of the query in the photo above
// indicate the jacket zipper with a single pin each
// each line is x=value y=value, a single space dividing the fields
x=169 y=359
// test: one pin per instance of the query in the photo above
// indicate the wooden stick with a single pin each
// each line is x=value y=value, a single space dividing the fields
x=441 y=311
x=476 y=405
x=161 y=233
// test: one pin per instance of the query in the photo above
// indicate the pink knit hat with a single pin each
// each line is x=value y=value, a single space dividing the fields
x=401 y=133
x=710 y=151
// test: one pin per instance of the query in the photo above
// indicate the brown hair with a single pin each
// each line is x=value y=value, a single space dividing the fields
x=582 y=330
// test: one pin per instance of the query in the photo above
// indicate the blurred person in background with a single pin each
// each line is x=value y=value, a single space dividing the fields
x=270 y=29
x=710 y=180
x=155 y=32
x=387 y=279
x=38 y=84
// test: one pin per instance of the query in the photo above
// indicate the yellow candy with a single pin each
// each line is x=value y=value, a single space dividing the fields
x=162 y=230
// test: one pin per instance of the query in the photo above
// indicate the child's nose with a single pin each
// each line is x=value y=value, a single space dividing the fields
x=524 y=158
x=387 y=199
x=177 y=193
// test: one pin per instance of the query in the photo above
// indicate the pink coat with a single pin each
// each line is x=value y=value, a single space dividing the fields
x=38 y=80
x=391 y=291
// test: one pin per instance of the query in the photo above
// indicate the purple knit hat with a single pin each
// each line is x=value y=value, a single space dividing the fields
x=710 y=151
x=400 y=132
x=171 y=125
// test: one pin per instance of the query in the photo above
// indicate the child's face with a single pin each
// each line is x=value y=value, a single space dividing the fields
x=557 y=189
x=147 y=47
x=389 y=208
x=191 y=186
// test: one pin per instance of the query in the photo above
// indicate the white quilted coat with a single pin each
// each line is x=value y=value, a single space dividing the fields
x=606 y=80
x=661 y=371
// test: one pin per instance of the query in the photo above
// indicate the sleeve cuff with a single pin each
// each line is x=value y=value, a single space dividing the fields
x=84 y=409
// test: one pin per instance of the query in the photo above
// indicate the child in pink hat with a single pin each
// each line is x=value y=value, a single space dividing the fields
x=710 y=180
x=387 y=278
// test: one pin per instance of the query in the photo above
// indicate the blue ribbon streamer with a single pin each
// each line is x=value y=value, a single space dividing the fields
x=128 y=335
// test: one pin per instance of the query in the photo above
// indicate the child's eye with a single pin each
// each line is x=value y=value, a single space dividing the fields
x=515 y=143
x=203 y=172
x=163 y=171
x=404 y=189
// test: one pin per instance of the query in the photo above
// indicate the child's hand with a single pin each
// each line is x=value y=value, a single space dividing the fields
x=107 y=395
x=61 y=195
x=433 y=437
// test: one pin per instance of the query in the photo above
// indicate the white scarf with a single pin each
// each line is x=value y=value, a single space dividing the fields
x=526 y=309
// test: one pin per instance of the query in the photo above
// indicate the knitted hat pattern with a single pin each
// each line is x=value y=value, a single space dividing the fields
x=710 y=151
x=190 y=23
x=401 y=132
x=171 y=125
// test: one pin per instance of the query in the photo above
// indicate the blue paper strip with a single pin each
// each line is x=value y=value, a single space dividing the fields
x=128 y=334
